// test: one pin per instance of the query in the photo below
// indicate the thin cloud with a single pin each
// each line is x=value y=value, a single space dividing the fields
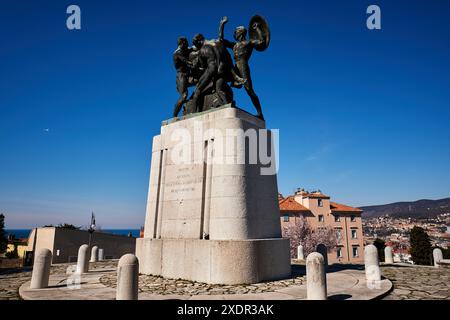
x=323 y=150
x=341 y=176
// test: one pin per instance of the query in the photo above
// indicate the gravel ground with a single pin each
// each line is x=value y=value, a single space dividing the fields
x=410 y=282
x=164 y=286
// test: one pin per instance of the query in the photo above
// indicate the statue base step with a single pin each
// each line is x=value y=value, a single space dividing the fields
x=215 y=261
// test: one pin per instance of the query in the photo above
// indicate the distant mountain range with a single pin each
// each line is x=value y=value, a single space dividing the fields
x=415 y=209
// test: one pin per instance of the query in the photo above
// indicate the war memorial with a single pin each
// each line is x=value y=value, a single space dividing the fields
x=212 y=221
x=211 y=215
x=212 y=226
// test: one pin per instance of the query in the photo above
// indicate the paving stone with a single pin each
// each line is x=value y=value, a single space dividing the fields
x=417 y=282
x=401 y=292
x=12 y=279
x=414 y=282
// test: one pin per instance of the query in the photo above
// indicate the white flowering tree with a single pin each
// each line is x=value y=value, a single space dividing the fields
x=300 y=233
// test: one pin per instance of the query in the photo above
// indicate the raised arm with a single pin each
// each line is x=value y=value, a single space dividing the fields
x=260 y=40
x=222 y=26
x=227 y=43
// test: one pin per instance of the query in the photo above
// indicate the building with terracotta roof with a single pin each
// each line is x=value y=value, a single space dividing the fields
x=320 y=212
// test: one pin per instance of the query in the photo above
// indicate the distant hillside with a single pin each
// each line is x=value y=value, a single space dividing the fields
x=416 y=209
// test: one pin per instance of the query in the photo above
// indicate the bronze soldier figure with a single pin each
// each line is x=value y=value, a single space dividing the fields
x=242 y=51
x=216 y=62
x=182 y=65
x=206 y=58
x=209 y=66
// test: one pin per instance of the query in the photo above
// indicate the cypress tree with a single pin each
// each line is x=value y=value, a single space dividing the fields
x=420 y=246
x=3 y=239
x=380 y=244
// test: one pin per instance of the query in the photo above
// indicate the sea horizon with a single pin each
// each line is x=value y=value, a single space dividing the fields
x=24 y=233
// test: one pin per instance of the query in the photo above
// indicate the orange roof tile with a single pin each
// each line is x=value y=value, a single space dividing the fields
x=337 y=207
x=315 y=195
x=289 y=204
x=318 y=195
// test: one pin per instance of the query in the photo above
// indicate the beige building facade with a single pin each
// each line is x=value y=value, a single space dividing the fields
x=320 y=212
x=64 y=243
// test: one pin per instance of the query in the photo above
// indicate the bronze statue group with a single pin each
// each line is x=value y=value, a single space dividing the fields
x=209 y=67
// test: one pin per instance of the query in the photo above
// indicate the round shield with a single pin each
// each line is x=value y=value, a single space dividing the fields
x=265 y=32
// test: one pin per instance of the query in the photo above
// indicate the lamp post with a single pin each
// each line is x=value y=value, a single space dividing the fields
x=91 y=229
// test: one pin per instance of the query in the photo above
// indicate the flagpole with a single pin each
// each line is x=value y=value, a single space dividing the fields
x=91 y=229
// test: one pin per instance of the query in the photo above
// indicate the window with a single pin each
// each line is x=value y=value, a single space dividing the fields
x=355 y=252
x=339 y=234
x=321 y=218
x=339 y=252
x=337 y=218
x=286 y=218
x=352 y=218
x=354 y=233
x=319 y=202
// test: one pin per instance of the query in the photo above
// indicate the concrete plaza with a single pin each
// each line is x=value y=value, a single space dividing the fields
x=99 y=284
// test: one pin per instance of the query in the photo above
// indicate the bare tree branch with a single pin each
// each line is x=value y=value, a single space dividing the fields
x=300 y=233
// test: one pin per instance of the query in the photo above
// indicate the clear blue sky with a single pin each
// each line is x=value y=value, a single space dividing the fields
x=363 y=115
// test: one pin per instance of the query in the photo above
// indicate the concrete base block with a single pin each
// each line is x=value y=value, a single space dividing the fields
x=215 y=261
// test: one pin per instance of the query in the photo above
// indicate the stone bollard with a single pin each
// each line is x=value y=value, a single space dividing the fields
x=437 y=256
x=82 y=260
x=388 y=258
x=322 y=249
x=300 y=253
x=316 y=279
x=127 y=278
x=101 y=254
x=371 y=263
x=94 y=254
x=41 y=269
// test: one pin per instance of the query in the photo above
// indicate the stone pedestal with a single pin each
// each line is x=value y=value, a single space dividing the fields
x=212 y=210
